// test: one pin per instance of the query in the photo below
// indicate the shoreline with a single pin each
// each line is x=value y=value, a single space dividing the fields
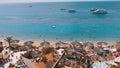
x=52 y=42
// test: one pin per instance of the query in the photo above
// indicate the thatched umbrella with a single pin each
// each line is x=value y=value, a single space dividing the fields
x=32 y=54
x=98 y=50
x=22 y=48
x=28 y=43
x=44 y=43
x=14 y=46
x=88 y=43
x=61 y=44
x=28 y=47
x=15 y=41
x=76 y=44
x=102 y=43
x=35 y=54
x=47 y=50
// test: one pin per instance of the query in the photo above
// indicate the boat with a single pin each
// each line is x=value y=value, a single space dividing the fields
x=53 y=26
x=71 y=11
x=30 y=6
x=93 y=9
x=62 y=9
x=100 y=11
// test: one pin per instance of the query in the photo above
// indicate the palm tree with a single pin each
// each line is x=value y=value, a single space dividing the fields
x=9 y=40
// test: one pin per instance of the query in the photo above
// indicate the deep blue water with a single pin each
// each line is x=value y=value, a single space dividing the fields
x=24 y=22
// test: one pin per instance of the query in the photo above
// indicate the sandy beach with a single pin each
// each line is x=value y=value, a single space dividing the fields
x=52 y=53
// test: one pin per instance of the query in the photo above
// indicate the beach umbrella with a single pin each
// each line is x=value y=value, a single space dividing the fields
x=16 y=41
x=45 y=43
x=76 y=43
x=88 y=44
x=28 y=43
x=22 y=48
x=13 y=46
x=29 y=47
x=102 y=43
x=99 y=50
x=47 y=50
x=35 y=53
x=61 y=44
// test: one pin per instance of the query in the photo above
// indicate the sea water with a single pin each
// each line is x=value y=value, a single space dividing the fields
x=35 y=21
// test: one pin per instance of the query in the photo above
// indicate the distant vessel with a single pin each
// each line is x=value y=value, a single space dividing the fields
x=53 y=26
x=71 y=11
x=93 y=9
x=30 y=6
x=62 y=9
x=100 y=11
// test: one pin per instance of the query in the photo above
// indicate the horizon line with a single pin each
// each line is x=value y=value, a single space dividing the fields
x=56 y=1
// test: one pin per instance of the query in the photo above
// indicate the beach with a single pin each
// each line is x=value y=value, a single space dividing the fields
x=51 y=54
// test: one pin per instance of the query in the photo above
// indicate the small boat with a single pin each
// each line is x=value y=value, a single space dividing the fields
x=30 y=6
x=53 y=26
x=62 y=9
x=100 y=11
x=93 y=9
x=71 y=11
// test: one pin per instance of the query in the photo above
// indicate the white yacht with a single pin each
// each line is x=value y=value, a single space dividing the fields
x=93 y=9
x=100 y=11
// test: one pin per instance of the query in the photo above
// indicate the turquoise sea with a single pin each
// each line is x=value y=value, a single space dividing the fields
x=35 y=21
